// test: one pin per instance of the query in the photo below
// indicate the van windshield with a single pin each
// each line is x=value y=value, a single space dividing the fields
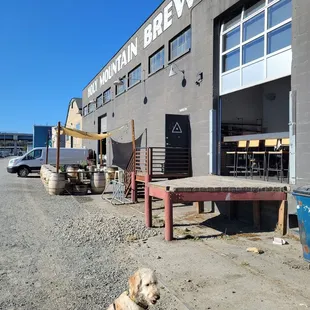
x=33 y=155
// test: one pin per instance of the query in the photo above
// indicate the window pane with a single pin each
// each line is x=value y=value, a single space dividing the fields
x=253 y=50
x=120 y=88
x=188 y=38
x=107 y=96
x=279 y=12
x=231 y=39
x=232 y=22
x=92 y=107
x=181 y=44
x=254 y=26
x=157 y=61
x=231 y=60
x=279 y=38
x=134 y=76
x=254 y=8
x=99 y=101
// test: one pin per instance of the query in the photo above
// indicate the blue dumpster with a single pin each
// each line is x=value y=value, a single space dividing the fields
x=302 y=196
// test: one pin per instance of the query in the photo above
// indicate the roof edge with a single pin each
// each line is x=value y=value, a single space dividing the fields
x=163 y=1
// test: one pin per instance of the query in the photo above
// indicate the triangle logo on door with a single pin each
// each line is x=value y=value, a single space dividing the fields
x=176 y=128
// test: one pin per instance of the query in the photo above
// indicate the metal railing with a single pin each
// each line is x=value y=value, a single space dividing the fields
x=161 y=162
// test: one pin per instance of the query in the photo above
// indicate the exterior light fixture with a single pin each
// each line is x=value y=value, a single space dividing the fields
x=173 y=71
x=118 y=82
x=199 y=78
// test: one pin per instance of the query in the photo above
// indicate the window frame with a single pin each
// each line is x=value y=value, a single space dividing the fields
x=85 y=108
x=136 y=81
x=100 y=96
x=240 y=23
x=92 y=103
x=103 y=96
x=123 y=79
x=170 y=59
x=161 y=49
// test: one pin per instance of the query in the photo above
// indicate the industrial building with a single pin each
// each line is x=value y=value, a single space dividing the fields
x=213 y=76
x=74 y=121
x=13 y=143
x=43 y=134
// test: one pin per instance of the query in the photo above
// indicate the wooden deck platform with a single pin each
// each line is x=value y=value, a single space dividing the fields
x=214 y=188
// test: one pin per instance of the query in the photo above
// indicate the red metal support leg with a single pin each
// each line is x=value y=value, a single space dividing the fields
x=147 y=203
x=168 y=217
x=133 y=187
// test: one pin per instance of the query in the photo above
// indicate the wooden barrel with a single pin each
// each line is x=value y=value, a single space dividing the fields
x=56 y=183
x=43 y=173
x=72 y=171
x=97 y=182
x=47 y=175
x=42 y=170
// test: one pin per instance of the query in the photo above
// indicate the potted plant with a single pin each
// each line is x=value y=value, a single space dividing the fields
x=83 y=165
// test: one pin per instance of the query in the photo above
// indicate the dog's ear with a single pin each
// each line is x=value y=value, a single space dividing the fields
x=134 y=285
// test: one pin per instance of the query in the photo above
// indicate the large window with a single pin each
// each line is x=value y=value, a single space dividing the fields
x=107 y=96
x=181 y=44
x=157 y=61
x=85 y=110
x=258 y=31
x=91 y=107
x=119 y=89
x=134 y=76
x=99 y=101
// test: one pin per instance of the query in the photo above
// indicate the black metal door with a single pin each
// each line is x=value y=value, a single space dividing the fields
x=102 y=128
x=177 y=159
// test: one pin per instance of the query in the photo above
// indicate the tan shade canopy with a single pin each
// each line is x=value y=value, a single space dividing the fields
x=87 y=135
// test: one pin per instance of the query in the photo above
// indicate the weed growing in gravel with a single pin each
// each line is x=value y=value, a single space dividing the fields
x=131 y=238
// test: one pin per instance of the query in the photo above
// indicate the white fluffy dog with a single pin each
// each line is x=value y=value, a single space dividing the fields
x=143 y=292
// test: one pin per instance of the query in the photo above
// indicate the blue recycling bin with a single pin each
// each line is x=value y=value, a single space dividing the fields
x=302 y=196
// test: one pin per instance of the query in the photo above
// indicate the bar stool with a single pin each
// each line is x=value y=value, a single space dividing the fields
x=278 y=157
x=242 y=155
x=257 y=163
x=231 y=166
x=284 y=152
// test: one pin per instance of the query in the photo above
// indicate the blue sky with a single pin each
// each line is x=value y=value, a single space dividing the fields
x=50 y=50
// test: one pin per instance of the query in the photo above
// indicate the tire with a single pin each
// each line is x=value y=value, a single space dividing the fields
x=23 y=172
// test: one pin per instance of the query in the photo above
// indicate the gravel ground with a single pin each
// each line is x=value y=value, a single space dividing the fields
x=57 y=253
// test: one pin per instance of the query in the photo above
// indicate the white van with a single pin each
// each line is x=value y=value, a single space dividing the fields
x=33 y=160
